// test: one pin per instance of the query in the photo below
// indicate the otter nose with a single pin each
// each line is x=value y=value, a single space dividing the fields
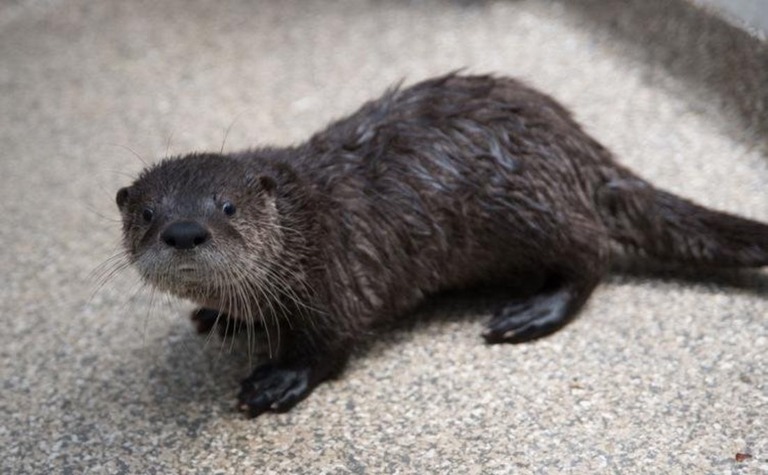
x=185 y=235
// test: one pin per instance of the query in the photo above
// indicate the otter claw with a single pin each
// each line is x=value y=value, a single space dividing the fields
x=271 y=388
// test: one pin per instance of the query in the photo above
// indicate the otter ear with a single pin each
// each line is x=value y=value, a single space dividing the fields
x=122 y=197
x=261 y=182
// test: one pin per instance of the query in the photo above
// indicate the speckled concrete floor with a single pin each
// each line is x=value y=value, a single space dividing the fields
x=657 y=376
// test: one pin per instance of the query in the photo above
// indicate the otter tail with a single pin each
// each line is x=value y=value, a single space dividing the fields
x=662 y=226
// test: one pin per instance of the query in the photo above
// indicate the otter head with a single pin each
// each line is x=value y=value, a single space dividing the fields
x=203 y=227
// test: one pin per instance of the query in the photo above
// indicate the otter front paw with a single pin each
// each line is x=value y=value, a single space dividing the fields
x=273 y=388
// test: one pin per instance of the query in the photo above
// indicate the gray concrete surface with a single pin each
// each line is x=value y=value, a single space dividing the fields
x=657 y=376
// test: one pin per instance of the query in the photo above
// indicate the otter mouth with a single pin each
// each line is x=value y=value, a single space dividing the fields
x=186 y=273
x=173 y=273
x=190 y=275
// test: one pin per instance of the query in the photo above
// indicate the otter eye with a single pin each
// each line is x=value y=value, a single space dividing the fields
x=228 y=208
x=147 y=214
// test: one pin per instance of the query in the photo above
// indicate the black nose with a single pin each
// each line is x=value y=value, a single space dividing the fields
x=185 y=235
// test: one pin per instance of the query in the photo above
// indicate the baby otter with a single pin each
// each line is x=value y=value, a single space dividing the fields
x=458 y=181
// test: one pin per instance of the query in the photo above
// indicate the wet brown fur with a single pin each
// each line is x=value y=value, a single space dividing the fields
x=458 y=181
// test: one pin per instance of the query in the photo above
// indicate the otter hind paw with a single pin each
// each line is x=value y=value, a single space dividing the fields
x=528 y=319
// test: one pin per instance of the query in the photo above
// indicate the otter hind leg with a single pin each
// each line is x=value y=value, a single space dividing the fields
x=569 y=284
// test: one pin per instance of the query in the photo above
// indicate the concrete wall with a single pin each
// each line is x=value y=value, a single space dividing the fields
x=753 y=13
x=722 y=63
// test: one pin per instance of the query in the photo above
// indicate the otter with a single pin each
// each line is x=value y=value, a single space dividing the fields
x=459 y=181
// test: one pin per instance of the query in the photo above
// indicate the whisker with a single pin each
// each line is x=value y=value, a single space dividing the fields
x=248 y=295
x=168 y=143
x=152 y=292
x=229 y=128
x=106 y=271
x=134 y=152
x=91 y=209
